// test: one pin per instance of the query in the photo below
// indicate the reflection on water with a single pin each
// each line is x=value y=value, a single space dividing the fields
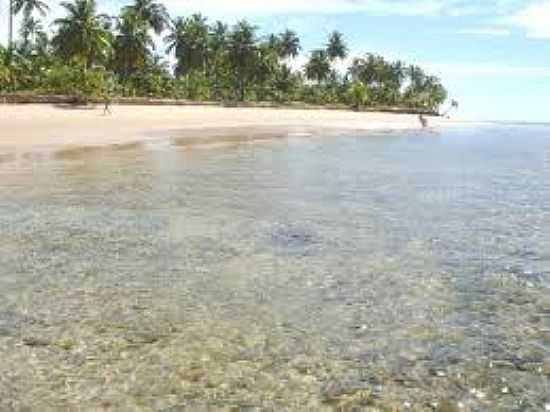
x=391 y=271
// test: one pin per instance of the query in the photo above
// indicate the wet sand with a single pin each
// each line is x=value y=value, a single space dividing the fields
x=24 y=127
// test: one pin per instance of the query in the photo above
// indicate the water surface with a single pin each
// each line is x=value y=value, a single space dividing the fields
x=406 y=270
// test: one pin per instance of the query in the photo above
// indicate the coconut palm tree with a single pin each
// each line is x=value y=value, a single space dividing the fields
x=435 y=93
x=133 y=45
x=218 y=35
x=30 y=27
x=155 y=14
x=10 y=24
x=318 y=66
x=5 y=73
x=453 y=106
x=270 y=70
x=242 y=56
x=423 y=92
x=197 y=43
x=28 y=7
x=175 y=41
x=285 y=83
x=31 y=31
x=289 y=44
x=217 y=46
x=189 y=40
x=383 y=78
x=358 y=94
x=273 y=42
x=83 y=33
x=266 y=66
x=336 y=47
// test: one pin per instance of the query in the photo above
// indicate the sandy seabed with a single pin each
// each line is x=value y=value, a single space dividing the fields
x=24 y=127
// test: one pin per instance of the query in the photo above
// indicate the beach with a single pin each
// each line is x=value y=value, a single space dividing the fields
x=38 y=125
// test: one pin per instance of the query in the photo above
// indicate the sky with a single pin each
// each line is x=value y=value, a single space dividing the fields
x=492 y=55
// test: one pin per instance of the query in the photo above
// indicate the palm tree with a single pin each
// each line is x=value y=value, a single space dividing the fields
x=153 y=13
x=218 y=37
x=31 y=31
x=358 y=94
x=284 y=82
x=415 y=91
x=273 y=42
x=242 y=54
x=83 y=33
x=318 y=66
x=217 y=46
x=424 y=92
x=132 y=45
x=197 y=43
x=5 y=73
x=10 y=24
x=16 y=70
x=383 y=78
x=28 y=7
x=189 y=39
x=266 y=66
x=336 y=47
x=175 y=41
x=30 y=27
x=435 y=94
x=289 y=44
x=453 y=106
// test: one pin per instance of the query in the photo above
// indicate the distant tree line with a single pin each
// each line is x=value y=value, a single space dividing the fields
x=92 y=54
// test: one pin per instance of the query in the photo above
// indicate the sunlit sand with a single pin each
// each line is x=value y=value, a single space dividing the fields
x=26 y=126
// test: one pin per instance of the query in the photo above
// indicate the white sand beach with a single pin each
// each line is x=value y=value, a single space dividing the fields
x=24 y=127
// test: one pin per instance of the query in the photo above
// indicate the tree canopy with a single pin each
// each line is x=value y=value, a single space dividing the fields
x=90 y=53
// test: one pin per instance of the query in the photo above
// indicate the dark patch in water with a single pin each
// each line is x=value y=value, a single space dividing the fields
x=444 y=355
x=77 y=153
x=11 y=323
x=525 y=276
x=88 y=152
x=208 y=250
x=525 y=254
x=293 y=239
x=7 y=157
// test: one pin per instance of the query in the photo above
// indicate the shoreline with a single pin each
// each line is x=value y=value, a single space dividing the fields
x=46 y=126
x=82 y=102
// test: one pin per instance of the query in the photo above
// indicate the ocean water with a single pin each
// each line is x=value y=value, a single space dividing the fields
x=293 y=271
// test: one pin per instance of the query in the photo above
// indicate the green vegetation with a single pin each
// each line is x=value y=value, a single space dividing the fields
x=90 y=54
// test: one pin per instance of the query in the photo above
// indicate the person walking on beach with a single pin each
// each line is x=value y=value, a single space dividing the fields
x=108 y=91
x=107 y=104
x=423 y=121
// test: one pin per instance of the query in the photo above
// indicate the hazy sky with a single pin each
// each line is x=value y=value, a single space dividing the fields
x=493 y=55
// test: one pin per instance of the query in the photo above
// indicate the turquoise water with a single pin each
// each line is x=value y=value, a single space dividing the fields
x=407 y=271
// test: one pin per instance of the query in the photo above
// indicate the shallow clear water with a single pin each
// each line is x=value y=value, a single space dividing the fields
x=389 y=271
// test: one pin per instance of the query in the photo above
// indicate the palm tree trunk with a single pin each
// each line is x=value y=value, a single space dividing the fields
x=10 y=24
x=241 y=90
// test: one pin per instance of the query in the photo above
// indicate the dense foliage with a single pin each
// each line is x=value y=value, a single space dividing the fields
x=92 y=54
